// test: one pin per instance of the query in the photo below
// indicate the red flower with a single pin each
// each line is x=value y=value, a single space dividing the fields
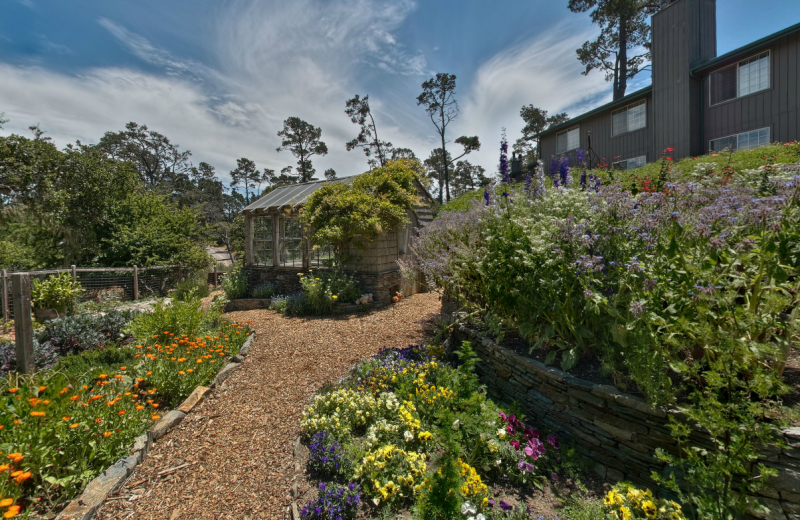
x=670 y=149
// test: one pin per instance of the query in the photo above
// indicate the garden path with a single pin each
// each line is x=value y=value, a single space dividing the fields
x=238 y=443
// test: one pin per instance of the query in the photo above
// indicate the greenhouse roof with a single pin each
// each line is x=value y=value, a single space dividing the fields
x=291 y=195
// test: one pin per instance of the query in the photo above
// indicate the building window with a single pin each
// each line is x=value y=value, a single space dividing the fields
x=633 y=117
x=740 y=79
x=568 y=140
x=262 y=241
x=630 y=164
x=291 y=243
x=743 y=141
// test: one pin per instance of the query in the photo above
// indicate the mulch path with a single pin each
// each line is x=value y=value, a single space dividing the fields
x=239 y=441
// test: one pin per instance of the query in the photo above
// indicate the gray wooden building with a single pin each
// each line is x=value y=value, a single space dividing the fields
x=698 y=102
x=277 y=247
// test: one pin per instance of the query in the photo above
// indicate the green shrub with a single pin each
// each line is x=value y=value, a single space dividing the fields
x=184 y=317
x=191 y=288
x=264 y=291
x=235 y=284
x=60 y=292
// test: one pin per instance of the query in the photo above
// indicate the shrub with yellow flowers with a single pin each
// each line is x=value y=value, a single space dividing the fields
x=391 y=474
x=626 y=502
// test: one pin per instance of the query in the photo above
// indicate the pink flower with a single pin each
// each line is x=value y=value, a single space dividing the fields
x=515 y=444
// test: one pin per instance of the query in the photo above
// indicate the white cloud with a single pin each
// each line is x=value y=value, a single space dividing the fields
x=278 y=59
x=543 y=71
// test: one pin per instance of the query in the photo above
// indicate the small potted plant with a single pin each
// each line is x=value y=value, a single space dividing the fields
x=52 y=298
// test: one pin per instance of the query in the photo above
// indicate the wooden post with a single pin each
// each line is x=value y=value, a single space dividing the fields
x=180 y=272
x=135 y=283
x=4 y=295
x=249 y=230
x=215 y=274
x=23 y=325
x=74 y=273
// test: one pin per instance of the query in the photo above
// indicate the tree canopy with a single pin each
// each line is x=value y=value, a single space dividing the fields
x=377 y=151
x=342 y=215
x=303 y=141
x=153 y=155
x=624 y=26
x=536 y=121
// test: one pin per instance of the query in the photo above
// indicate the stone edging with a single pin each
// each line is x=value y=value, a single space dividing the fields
x=617 y=430
x=96 y=492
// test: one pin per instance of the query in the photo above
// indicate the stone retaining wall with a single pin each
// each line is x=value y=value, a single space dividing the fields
x=618 y=431
x=287 y=281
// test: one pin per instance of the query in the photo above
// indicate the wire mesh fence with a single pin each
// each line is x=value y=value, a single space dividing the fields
x=104 y=284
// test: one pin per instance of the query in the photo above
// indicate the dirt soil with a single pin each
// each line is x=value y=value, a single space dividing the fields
x=238 y=443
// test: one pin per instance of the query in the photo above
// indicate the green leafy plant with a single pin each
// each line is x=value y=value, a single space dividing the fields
x=235 y=283
x=60 y=292
x=185 y=317
x=193 y=287
x=343 y=215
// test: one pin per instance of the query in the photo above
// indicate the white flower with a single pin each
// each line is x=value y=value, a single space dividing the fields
x=480 y=517
x=501 y=432
x=408 y=436
x=468 y=509
x=456 y=424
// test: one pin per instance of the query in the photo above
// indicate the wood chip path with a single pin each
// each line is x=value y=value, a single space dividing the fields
x=234 y=452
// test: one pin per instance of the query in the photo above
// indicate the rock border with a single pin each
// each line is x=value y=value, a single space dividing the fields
x=86 y=505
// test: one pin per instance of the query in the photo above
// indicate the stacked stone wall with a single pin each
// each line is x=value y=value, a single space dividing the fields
x=287 y=281
x=616 y=430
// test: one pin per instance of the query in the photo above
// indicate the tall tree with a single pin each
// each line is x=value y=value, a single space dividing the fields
x=624 y=26
x=468 y=176
x=439 y=99
x=302 y=139
x=247 y=176
x=330 y=174
x=152 y=154
x=438 y=170
x=358 y=110
x=403 y=153
x=536 y=121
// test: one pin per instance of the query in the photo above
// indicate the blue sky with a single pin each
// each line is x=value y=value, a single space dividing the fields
x=218 y=77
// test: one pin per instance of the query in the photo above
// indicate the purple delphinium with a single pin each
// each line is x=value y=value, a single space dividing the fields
x=555 y=160
x=580 y=154
x=583 y=180
x=563 y=171
x=504 y=169
x=528 y=182
x=333 y=503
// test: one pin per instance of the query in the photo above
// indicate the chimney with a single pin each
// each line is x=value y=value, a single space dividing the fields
x=684 y=35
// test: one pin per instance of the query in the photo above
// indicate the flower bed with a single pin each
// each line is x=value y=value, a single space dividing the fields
x=405 y=425
x=65 y=425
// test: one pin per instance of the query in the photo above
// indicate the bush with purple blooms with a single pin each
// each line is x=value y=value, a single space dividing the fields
x=326 y=459
x=334 y=503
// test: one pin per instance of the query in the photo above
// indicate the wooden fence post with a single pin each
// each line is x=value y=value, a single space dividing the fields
x=23 y=326
x=74 y=272
x=215 y=274
x=135 y=283
x=4 y=295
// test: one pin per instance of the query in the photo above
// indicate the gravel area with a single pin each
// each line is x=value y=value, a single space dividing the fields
x=236 y=447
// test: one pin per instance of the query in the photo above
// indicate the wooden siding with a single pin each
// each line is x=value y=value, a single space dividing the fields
x=625 y=146
x=777 y=107
x=684 y=36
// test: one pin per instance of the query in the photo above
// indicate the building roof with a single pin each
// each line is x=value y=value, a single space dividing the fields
x=750 y=47
x=603 y=108
x=290 y=195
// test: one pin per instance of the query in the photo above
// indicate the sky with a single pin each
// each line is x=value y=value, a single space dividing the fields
x=218 y=77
